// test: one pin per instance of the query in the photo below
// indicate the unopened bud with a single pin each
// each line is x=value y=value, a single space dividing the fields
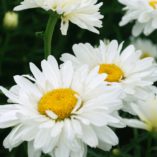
x=116 y=152
x=10 y=20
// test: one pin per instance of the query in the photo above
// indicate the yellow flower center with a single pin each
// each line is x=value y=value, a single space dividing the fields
x=60 y=101
x=153 y=3
x=115 y=74
x=145 y=55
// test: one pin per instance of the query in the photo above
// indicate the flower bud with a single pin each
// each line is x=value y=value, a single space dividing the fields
x=116 y=152
x=10 y=20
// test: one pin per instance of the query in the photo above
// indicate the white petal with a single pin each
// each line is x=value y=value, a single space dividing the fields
x=89 y=136
x=67 y=74
x=32 y=152
x=106 y=135
x=64 y=27
x=136 y=124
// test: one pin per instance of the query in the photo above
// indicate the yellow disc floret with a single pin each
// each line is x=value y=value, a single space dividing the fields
x=60 y=101
x=153 y=3
x=145 y=55
x=115 y=74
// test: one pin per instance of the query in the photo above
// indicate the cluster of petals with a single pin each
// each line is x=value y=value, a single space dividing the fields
x=145 y=110
x=83 y=13
x=148 y=48
x=143 y=12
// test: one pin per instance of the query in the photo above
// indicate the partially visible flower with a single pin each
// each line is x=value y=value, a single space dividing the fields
x=124 y=68
x=83 y=13
x=146 y=46
x=10 y=20
x=143 y=12
x=145 y=109
x=61 y=111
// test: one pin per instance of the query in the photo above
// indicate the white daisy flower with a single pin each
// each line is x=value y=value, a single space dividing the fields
x=146 y=46
x=60 y=111
x=124 y=68
x=145 y=109
x=83 y=13
x=143 y=12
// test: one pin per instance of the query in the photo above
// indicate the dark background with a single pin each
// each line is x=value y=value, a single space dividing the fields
x=24 y=44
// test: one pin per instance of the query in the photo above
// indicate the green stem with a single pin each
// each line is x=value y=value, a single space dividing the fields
x=136 y=140
x=49 y=33
x=3 y=50
x=149 y=145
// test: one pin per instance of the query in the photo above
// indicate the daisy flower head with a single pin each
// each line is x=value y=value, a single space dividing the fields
x=143 y=12
x=145 y=110
x=60 y=111
x=148 y=48
x=123 y=67
x=83 y=13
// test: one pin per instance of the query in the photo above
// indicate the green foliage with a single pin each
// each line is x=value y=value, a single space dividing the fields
x=24 y=44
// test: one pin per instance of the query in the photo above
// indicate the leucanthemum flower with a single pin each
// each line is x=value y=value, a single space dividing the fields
x=143 y=12
x=148 y=48
x=60 y=111
x=83 y=13
x=124 y=68
x=145 y=109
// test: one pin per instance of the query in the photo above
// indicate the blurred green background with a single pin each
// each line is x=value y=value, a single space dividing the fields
x=24 y=44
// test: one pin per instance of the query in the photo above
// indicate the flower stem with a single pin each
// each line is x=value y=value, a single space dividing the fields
x=49 y=33
x=136 y=141
x=149 y=145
